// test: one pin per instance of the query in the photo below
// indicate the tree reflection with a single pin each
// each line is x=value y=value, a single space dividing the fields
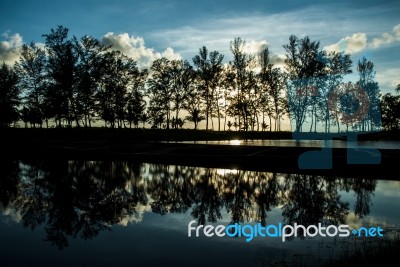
x=239 y=196
x=313 y=199
x=267 y=195
x=80 y=199
x=207 y=197
x=364 y=189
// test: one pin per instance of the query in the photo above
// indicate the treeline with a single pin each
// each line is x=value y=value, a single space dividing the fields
x=76 y=82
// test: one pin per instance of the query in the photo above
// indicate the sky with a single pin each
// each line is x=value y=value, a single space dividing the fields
x=176 y=29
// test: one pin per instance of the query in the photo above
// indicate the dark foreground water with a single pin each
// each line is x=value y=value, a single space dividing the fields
x=303 y=143
x=108 y=213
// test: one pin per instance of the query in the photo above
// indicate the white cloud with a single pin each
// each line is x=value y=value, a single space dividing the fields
x=257 y=30
x=255 y=47
x=386 y=38
x=396 y=31
x=135 y=48
x=10 y=50
x=350 y=44
x=389 y=78
x=357 y=42
x=278 y=60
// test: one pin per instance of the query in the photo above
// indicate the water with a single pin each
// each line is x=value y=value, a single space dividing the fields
x=120 y=213
x=303 y=143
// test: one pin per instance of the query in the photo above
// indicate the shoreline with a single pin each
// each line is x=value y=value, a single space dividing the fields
x=140 y=134
x=108 y=144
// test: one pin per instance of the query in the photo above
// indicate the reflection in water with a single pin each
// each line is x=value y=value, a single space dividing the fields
x=82 y=198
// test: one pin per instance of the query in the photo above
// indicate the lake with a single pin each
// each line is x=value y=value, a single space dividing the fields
x=302 y=143
x=121 y=213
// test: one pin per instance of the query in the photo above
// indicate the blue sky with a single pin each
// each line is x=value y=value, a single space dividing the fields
x=146 y=30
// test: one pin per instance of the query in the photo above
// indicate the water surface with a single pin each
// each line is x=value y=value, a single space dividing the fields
x=303 y=143
x=120 y=213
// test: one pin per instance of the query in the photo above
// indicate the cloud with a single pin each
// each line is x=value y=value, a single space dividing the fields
x=386 y=38
x=255 y=47
x=278 y=60
x=389 y=78
x=357 y=42
x=135 y=48
x=350 y=44
x=10 y=50
x=256 y=29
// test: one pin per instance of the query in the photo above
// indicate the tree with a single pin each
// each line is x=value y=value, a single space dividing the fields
x=61 y=67
x=208 y=68
x=144 y=117
x=135 y=107
x=367 y=83
x=243 y=83
x=160 y=91
x=121 y=76
x=229 y=124
x=9 y=96
x=31 y=70
x=89 y=73
x=390 y=110
x=193 y=105
x=304 y=67
x=182 y=79
x=336 y=66
x=272 y=86
x=195 y=117
x=156 y=115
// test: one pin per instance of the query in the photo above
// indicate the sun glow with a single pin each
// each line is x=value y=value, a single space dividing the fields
x=235 y=142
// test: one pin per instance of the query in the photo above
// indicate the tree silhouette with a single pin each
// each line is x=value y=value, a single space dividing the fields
x=273 y=82
x=304 y=65
x=76 y=82
x=182 y=80
x=9 y=96
x=90 y=71
x=390 y=110
x=193 y=106
x=121 y=74
x=243 y=83
x=31 y=70
x=208 y=67
x=367 y=83
x=136 y=103
x=61 y=67
x=160 y=91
